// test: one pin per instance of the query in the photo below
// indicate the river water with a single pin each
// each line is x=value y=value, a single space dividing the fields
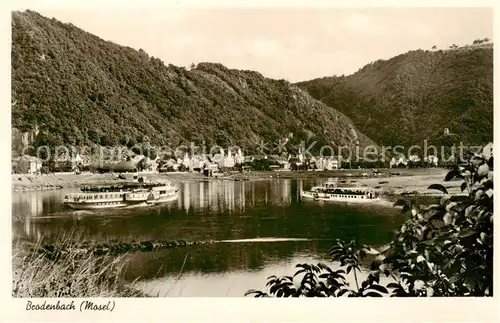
x=261 y=228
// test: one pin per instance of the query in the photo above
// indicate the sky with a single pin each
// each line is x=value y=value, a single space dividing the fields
x=290 y=44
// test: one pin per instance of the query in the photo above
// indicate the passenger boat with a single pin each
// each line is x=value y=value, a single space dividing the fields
x=123 y=195
x=162 y=194
x=331 y=192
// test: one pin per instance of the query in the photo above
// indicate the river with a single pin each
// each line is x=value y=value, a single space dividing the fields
x=260 y=228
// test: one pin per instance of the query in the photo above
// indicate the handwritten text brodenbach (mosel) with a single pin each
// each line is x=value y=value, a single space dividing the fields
x=70 y=306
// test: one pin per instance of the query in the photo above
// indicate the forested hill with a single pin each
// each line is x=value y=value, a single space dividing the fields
x=75 y=88
x=414 y=96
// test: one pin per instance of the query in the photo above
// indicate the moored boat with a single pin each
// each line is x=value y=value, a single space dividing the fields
x=331 y=192
x=124 y=195
x=163 y=194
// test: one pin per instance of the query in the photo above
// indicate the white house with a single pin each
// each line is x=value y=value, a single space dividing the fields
x=239 y=158
x=170 y=163
x=186 y=161
x=488 y=150
x=198 y=162
x=432 y=160
x=285 y=165
x=154 y=163
x=331 y=163
x=248 y=159
x=312 y=161
x=211 y=168
x=219 y=159
x=396 y=161
x=28 y=164
x=300 y=156
x=229 y=161
x=295 y=160
x=136 y=159
x=414 y=158
x=327 y=163
x=78 y=159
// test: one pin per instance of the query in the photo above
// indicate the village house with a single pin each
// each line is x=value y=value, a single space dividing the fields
x=327 y=163
x=283 y=162
x=77 y=161
x=414 y=158
x=211 y=168
x=229 y=161
x=488 y=150
x=198 y=162
x=300 y=157
x=27 y=165
x=147 y=165
x=312 y=163
x=431 y=160
x=169 y=165
x=187 y=163
x=154 y=163
x=239 y=158
x=218 y=158
x=136 y=159
x=285 y=165
x=295 y=160
x=86 y=160
x=126 y=155
x=248 y=159
x=398 y=162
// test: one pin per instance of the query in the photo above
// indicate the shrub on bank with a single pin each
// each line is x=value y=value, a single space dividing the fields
x=443 y=249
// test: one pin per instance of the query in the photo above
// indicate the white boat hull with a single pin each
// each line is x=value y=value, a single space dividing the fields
x=164 y=199
x=93 y=206
x=339 y=199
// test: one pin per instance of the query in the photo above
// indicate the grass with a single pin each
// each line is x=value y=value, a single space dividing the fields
x=39 y=273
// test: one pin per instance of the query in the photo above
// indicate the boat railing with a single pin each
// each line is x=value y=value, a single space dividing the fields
x=120 y=187
x=345 y=191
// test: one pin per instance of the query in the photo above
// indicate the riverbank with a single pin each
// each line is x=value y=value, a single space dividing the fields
x=26 y=182
x=389 y=181
x=36 y=273
x=413 y=184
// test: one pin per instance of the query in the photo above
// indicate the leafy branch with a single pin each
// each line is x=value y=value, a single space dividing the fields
x=443 y=249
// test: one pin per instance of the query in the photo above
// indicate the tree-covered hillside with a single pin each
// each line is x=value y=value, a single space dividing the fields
x=75 y=88
x=414 y=96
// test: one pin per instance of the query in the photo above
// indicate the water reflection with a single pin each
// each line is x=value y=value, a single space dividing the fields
x=258 y=214
x=204 y=211
x=232 y=283
x=220 y=257
x=231 y=196
x=214 y=196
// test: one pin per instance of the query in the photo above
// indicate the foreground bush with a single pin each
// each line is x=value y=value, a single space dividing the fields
x=37 y=273
x=443 y=249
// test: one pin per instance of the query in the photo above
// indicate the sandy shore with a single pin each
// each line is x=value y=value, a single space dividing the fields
x=25 y=182
x=391 y=181
x=409 y=184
